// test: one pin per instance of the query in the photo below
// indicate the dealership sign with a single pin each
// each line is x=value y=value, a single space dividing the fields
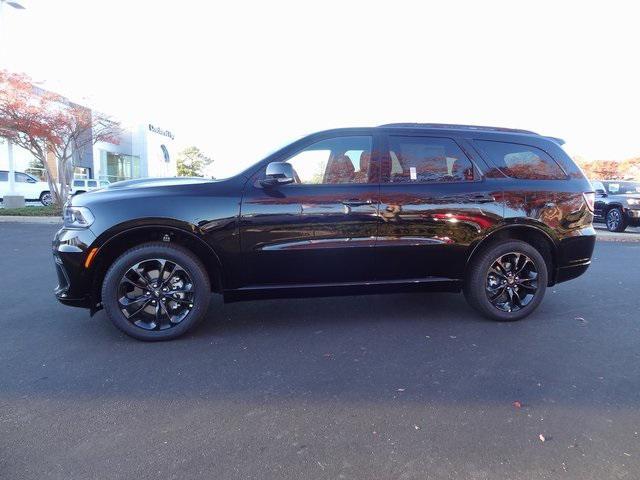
x=161 y=131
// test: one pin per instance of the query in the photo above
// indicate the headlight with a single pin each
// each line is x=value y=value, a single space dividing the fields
x=77 y=217
x=634 y=202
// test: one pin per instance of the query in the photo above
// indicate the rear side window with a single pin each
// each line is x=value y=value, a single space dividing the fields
x=521 y=161
x=4 y=177
x=426 y=160
x=92 y=183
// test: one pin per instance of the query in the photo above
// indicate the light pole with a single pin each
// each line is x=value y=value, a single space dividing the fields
x=10 y=200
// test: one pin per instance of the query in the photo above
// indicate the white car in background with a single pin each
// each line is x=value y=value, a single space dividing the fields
x=84 y=185
x=27 y=186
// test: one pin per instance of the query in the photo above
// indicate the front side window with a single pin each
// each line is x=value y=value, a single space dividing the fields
x=334 y=161
x=520 y=161
x=22 y=177
x=426 y=160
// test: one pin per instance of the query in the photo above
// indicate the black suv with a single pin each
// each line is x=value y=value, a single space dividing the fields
x=497 y=213
x=617 y=204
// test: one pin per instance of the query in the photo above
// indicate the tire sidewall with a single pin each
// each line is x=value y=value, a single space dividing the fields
x=475 y=285
x=174 y=253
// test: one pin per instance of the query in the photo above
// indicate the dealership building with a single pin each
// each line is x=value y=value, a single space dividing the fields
x=144 y=150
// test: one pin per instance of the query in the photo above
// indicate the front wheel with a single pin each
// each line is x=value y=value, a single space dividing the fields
x=507 y=281
x=615 y=220
x=156 y=291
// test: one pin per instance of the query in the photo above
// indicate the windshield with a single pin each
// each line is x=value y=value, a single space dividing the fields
x=621 y=188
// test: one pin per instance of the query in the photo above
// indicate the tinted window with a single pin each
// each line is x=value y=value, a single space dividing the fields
x=521 y=161
x=4 y=177
x=426 y=159
x=78 y=183
x=92 y=183
x=335 y=160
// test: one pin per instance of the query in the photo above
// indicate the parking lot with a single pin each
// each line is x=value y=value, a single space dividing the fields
x=374 y=387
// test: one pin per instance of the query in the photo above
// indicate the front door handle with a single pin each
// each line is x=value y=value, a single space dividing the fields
x=356 y=203
x=481 y=198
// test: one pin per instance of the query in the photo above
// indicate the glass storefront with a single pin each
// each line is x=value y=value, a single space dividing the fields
x=118 y=166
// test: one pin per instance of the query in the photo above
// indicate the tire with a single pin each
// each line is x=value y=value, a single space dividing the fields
x=480 y=281
x=46 y=199
x=190 y=309
x=615 y=220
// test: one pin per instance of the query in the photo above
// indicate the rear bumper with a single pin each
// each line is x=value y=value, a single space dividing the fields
x=574 y=255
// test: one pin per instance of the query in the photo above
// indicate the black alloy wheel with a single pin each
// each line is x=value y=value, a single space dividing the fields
x=512 y=282
x=506 y=280
x=155 y=294
x=157 y=291
x=615 y=220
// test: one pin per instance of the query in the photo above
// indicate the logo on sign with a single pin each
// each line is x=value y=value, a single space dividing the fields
x=161 y=131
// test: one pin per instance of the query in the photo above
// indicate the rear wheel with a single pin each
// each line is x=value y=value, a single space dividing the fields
x=616 y=222
x=156 y=292
x=507 y=281
x=46 y=199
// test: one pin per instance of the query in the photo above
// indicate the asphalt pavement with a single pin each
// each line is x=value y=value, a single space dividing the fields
x=403 y=386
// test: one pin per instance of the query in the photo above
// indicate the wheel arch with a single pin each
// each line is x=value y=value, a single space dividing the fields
x=115 y=244
x=534 y=235
x=611 y=205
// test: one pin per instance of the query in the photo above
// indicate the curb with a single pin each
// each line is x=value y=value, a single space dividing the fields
x=619 y=237
x=27 y=219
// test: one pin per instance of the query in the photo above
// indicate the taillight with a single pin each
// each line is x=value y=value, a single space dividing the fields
x=590 y=199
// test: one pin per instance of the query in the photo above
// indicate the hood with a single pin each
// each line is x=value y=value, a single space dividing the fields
x=141 y=188
x=157 y=182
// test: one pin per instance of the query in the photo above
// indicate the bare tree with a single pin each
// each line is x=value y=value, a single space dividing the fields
x=46 y=123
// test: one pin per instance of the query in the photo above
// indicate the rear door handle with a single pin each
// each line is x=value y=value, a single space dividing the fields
x=481 y=198
x=356 y=202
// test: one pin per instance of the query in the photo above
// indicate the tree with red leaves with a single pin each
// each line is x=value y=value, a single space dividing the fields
x=47 y=123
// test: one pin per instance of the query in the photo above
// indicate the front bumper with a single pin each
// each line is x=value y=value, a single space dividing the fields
x=70 y=249
x=633 y=216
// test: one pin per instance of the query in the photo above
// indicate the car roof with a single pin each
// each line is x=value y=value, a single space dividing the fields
x=456 y=129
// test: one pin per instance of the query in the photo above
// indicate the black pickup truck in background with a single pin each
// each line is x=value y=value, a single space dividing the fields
x=617 y=203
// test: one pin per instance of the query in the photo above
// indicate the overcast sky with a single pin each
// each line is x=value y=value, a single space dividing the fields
x=239 y=79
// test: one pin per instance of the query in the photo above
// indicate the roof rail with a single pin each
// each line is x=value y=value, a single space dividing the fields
x=458 y=127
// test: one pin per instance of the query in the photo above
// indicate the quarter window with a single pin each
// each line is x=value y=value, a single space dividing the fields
x=334 y=161
x=426 y=159
x=78 y=183
x=521 y=161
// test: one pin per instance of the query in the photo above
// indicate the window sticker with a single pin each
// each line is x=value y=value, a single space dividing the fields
x=413 y=173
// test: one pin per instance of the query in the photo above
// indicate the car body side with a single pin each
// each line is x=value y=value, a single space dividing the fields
x=230 y=223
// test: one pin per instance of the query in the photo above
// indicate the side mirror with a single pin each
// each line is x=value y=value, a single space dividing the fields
x=601 y=193
x=278 y=173
x=30 y=180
